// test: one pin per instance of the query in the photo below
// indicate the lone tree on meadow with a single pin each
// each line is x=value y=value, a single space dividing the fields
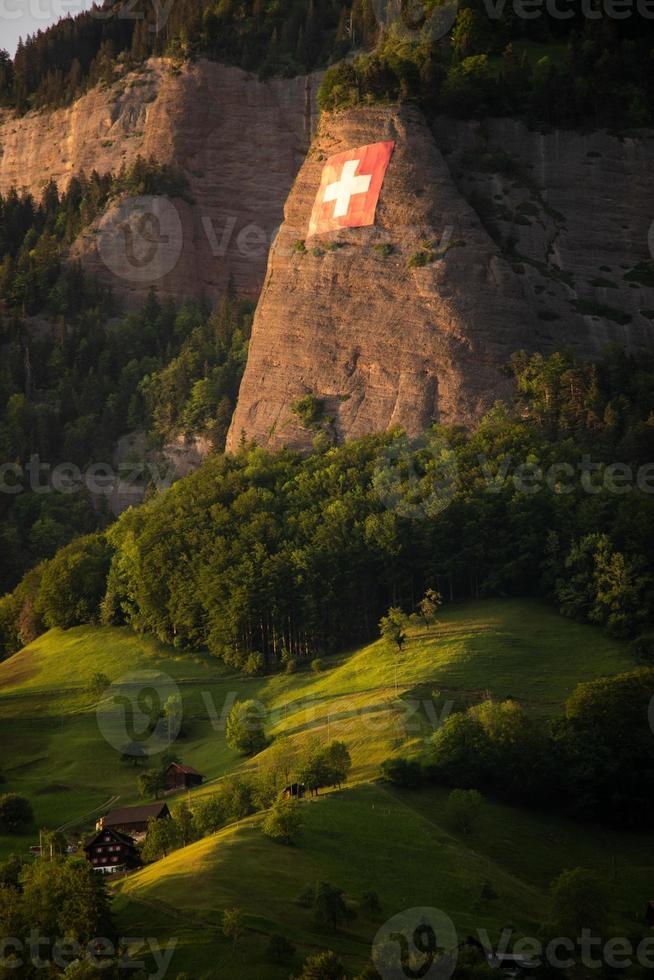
x=463 y=809
x=429 y=605
x=283 y=822
x=392 y=627
x=244 y=731
x=579 y=901
x=152 y=782
x=15 y=813
x=328 y=766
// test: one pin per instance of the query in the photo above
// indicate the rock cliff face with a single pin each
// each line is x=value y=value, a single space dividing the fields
x=239 y=142
x=532 y=238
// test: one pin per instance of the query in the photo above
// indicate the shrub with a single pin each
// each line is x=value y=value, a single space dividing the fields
x=370 y=903
x=309 y=410
x=463 y=809
x=307 y=898
x=323 y=966
x=420 y=259
x=280 y=949
x=15 y=813
x=98 y=683
x=283 y=823
x=579 y=901
x=254 y=665
x=329 y=906
x=404 y=773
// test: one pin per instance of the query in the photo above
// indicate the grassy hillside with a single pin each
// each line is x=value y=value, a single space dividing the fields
x=370 y=838
x=55 y=753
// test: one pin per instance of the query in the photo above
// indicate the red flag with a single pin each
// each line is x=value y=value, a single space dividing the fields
x=350 y=187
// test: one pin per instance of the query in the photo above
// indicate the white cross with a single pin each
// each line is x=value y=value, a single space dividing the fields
x=347 y=187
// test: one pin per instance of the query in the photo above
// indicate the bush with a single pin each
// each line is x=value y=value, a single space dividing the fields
x=404 y=773
x=283 y=823
x=254 y=665
x=323 y=966
x=280 y=949
x=420 y=259
x=463 y=809
x=98 y=683
x=579 y=901
x=307 y=899
x=317 y=665
x=370 y=903
x=309 y=410
x=330 y=908
x=15 y=813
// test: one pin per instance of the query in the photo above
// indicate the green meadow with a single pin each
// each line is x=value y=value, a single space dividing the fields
x=365 y=837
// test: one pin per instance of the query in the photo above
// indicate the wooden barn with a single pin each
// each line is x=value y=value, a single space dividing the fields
x=109 y=851
x=133 y=819
x=178 y=776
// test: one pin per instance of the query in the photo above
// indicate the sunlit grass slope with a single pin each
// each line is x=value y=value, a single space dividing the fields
x=370 y=838
x=374 y=698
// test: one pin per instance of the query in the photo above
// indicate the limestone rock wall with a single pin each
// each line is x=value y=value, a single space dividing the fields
x=239 y=141
x=537 y=234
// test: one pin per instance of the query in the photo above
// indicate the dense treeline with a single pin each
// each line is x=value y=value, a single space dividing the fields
x=67 y=395
x=255 y=552
x=69 y=389
x=55 y=66
x=572 y=65
x=593 y=76
x=595 y=761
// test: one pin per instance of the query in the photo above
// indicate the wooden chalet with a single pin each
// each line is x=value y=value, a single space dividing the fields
x=110 y=851
x=178 y=776
x=133 y=819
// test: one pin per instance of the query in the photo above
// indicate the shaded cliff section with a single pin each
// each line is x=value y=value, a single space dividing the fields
x=239 y=142
x=529 y=242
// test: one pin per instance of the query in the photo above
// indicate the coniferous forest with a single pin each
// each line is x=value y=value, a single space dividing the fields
x=557 y=66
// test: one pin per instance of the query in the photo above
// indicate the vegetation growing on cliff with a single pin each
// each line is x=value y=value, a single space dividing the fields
x=559 y=66
x=69 y=389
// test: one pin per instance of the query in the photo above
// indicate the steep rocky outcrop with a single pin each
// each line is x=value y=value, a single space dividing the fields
x=532 y=237
x=238 y=140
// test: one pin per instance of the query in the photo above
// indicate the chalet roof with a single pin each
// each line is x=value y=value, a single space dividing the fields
x=187 y=769
x=116 y=835
x=135 y=814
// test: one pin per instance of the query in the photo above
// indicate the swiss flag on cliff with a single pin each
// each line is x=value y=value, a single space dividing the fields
x=350 y=187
